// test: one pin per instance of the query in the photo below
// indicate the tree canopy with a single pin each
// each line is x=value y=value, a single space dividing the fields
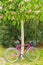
x=16 y=10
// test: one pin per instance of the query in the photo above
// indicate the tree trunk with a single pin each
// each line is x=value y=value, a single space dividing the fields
x=22 y=37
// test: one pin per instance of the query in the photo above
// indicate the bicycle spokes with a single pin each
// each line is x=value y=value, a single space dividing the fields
x=33 y=54
x=12 y=55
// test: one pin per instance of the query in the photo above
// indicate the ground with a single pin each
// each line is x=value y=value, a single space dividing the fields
x=20 y=62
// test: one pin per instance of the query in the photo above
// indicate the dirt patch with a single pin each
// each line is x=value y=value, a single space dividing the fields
x=2 y=61
x=40 y=46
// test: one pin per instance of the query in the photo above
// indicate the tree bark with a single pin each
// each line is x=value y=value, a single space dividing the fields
x=22 y=37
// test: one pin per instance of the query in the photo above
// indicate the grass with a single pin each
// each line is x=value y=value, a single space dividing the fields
x=20 y=62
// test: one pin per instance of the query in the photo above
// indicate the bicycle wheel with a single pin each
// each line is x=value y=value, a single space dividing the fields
x=11 y=54
x=33 y=54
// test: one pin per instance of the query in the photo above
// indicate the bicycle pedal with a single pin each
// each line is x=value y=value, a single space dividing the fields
x=22 y=58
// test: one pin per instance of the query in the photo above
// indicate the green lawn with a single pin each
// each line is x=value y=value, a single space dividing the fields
x=20 y=62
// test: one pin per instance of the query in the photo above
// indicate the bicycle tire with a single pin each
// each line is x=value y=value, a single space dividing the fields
x=14 y=52
x=33 y=57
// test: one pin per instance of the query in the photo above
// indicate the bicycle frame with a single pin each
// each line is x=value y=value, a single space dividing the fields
x=26 y=45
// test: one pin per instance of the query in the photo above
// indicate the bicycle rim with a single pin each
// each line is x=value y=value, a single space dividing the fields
x=11 y=54
x=33 y=54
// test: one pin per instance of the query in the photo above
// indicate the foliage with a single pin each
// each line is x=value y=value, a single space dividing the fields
x=11 y=14
x=34 y=31
x=8 y=34
x=17 y=10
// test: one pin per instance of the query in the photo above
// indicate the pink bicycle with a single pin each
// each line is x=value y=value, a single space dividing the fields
x=12 y=54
